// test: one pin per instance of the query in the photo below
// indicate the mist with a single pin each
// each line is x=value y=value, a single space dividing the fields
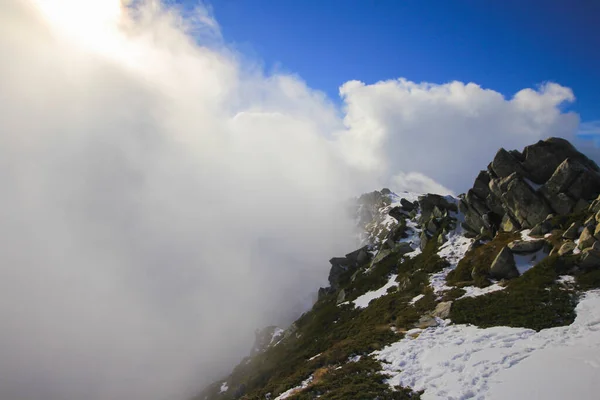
x=163 y=196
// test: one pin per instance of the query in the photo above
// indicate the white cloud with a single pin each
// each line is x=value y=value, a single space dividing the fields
x=161 y=199
x=447 y=132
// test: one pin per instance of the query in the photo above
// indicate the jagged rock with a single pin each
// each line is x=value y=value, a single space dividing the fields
x=542 y=228
x=324 y=292
x=586 y=239
x=426 y=321
x=408 y=205
x=381 y=255
x=403 y=248
x=572 y=231
x=503 y=266
x=526 y=246
x=590 y=222
x=429 y=201
x=442 y=310
x=431 y=226
x=398 y=213
x=581 y=206
x=561 y=203
x=481 y=185
x=505 y=164
x=567 y=248
x=590 y=259
x=543 y=158
x=359 y=256
x=386 y=191
x=524 y=204
x=341 y=296
x=441 y=240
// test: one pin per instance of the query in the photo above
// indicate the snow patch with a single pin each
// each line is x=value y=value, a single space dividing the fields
x=364 y=300
x=277 y=333
x=453 y=251
x=224 y=387
x=525 y=262
x=354 y=359
x=315 y=357
x=474 y=291
x=296 y=389
x=416 y=298
x=463 y=361
x=565 y=279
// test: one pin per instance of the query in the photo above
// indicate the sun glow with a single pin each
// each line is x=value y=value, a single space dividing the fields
x=93 y=24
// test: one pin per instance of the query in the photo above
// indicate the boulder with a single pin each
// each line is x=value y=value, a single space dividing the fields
x=526 y=246
x=341 y=297
x=402 y=248
x=505 y=164
x=398 y=213
x=386 y=191
x=359 y=257
x=567 y=248
x=563 y=177
x=431 y=226
x=543 y=158
x=542 y=228
x=503 y=266
x=590 y=259
x=581 y=206
x=408 y=205
x=429 y=201
x=572 y=231
x=586 y=239
x=524 y=204
x=481 y=186
x=442 y=310
x=561 y=203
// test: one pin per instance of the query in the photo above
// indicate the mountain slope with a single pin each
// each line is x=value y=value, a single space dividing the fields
x=449 y=294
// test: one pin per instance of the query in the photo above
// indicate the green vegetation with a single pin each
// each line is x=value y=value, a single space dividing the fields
x=532 y=300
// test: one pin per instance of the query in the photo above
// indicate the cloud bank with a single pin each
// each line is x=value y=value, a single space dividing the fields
x=162 y=197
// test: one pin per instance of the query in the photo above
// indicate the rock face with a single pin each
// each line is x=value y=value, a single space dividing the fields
x=504 y=266
x=340 y=265
x=519 y=190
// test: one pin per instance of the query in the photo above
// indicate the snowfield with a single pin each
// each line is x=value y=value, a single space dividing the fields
x=459 y=362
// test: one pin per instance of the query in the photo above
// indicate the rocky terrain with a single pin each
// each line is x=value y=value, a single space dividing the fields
x=448 y=295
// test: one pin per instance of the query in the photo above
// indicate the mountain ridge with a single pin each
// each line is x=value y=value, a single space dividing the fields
x=517 y=251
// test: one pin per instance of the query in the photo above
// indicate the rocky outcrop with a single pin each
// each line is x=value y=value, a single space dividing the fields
x=519 y=190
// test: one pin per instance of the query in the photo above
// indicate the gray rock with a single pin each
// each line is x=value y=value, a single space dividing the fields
x=398 y=213
x=408 y=205
x=590 y=222
x=543 y=158
x=542 y=228
x=526 y=246
x=403 y=248
x=572 y=231
x=586 y=239
x=442 y=310
x=567 y=248
x=429 y=201
x=503 y=266
x=590 y=259
x=527 y=207
x=505 y=164
x=431 y=226
x=341 y=296
x=481 y=185
x=581 y=206
x=561 y=203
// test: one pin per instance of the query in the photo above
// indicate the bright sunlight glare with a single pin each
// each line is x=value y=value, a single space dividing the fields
x=93 y=24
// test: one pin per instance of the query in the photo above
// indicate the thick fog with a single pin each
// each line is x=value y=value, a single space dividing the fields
x=162 y=196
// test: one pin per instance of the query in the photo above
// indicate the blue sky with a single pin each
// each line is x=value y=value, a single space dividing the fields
x=505 y=46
